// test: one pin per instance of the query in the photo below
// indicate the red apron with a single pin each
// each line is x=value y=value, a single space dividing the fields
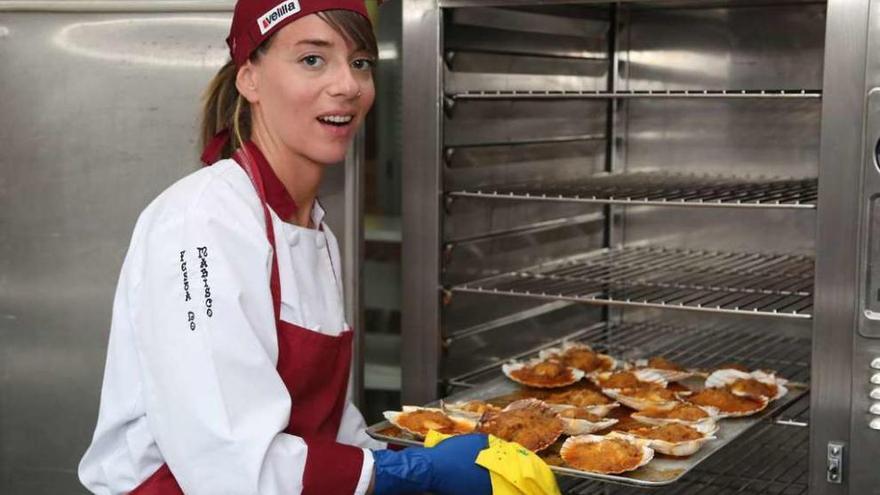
x=314 y=367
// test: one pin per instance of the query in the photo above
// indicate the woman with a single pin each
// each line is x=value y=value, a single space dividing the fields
x=229 y=356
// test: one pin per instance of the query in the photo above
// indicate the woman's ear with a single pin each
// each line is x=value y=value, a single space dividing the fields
x=247 y=82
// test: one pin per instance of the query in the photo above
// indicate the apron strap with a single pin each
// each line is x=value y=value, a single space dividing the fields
x=244 y=158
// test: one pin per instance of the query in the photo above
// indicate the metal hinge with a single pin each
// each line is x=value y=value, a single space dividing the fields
x=834 y=467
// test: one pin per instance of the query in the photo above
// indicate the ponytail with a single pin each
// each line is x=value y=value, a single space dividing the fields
x=223 y=107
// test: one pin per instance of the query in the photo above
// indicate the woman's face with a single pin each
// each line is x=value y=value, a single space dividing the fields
x=310 y=91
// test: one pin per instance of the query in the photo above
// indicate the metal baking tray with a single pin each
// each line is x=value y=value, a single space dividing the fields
x=662 y=470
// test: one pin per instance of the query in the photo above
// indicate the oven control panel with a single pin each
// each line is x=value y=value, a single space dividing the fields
x=858 y=466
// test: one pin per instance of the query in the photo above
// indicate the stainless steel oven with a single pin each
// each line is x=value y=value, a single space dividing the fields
x=696 y=179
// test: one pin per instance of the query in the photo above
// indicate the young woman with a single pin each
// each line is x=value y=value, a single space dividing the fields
x=229 y=356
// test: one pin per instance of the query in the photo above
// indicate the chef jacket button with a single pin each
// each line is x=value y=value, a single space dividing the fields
x=293 y=237
x=320 y=240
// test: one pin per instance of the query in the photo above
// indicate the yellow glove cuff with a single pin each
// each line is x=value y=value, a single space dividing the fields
x=513 y=469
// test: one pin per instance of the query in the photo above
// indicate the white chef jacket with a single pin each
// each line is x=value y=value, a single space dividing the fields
x=191 y=378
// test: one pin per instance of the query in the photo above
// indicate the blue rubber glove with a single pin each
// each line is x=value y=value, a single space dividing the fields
x=447 y=469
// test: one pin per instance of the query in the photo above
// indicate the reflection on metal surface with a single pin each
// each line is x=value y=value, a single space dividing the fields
x=122 y=41
x=164 y=6
x=387 y=51
x=708 y=67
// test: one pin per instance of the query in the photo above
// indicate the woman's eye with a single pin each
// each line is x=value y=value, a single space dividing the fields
x=312 y=61
x=363 y=64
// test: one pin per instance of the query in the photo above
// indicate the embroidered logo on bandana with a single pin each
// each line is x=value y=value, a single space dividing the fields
x=277 y=14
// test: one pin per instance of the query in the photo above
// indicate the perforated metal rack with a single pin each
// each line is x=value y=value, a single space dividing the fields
x=665 y=190
x=715 y=281
x=697 y=347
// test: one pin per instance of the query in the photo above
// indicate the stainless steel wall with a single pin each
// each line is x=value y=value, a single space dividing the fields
x=98 y=114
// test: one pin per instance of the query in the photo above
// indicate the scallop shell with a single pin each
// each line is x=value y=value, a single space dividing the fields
x=582 y=426
x=722 y=378
x=725 y=377
x=637 y=403
x=552 y=435
x=668 y=375
x=643 y=375
x=600 y=410
x=509 y=368
x=572 y=442
x=681 y=449
x=764 y=377
x=393 y=418
x=557 y=351
x=711 y=411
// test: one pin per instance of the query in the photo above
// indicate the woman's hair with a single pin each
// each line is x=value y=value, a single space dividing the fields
x=224 y=108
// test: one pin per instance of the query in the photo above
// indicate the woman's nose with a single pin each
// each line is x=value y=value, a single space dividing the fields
x=345 y=83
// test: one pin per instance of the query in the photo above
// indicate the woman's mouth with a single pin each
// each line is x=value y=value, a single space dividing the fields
x=338 y=126
x=336 y=120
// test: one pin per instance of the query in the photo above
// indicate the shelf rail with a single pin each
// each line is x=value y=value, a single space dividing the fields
x=624 y=94
x=662 y=189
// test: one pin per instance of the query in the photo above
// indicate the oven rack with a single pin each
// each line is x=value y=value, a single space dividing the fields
x=664 y=189
x=770 y=459
x=703 y=347
x=461 y=95
x=778 y=285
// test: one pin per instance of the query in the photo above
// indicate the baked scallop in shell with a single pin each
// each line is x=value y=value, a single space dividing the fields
x=418 y=421
x=588 y=399
x=528 y=422
x=681 y=413
x=675 y=439
x=754 y=385
x=669 y=370
x=727 y=403
x=580 y=421
x=580 y=356
x=606 y=454
x=627 y=379
x=644 y=397
x=470 y=408
x=542 y=373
